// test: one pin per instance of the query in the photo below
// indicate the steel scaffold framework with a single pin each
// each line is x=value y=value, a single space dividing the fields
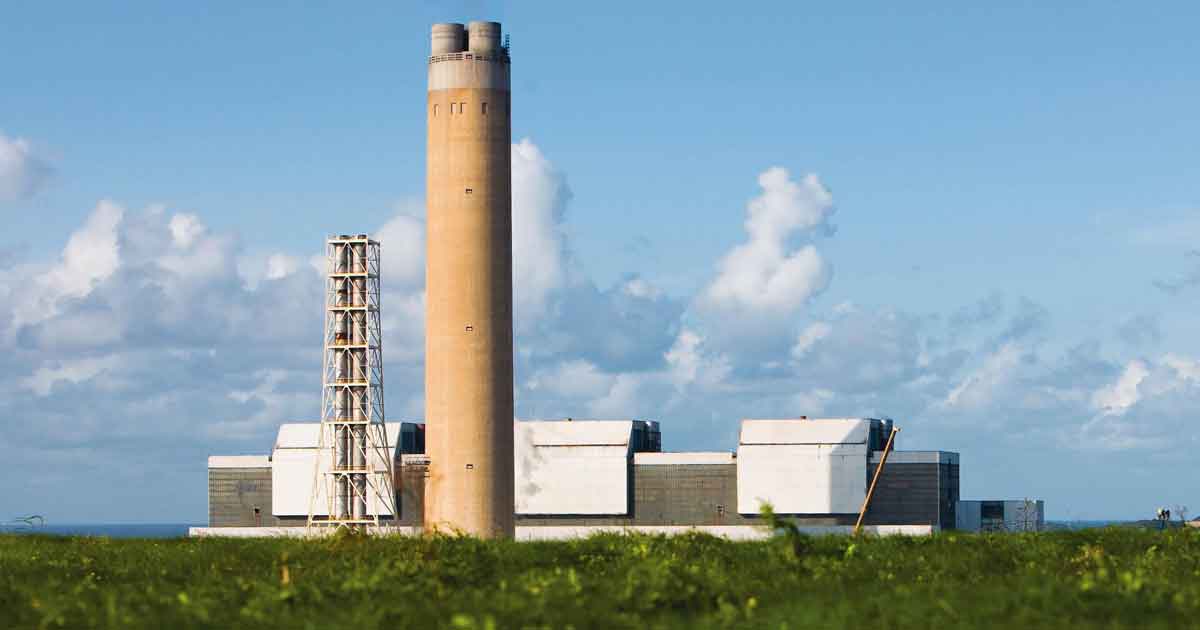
x=352 y=475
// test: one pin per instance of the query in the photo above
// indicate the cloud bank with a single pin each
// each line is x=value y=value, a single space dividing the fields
x=153 y=341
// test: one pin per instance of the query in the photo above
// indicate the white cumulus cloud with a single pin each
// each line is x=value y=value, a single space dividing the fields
x=91 y=255
x=1118 y=397
x=688 y=362
x=981 y=386
x=402 y=250
x=22 y=170
x=42 y=381
x=764 y=275
x=540 y=196
x=159 y=331
x=808 y=337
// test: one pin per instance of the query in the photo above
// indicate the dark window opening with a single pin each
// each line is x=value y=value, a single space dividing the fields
x=485 y=109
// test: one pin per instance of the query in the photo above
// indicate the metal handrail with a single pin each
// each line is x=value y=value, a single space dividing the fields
x=462 y=56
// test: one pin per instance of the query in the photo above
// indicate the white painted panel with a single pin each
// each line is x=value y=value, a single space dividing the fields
x=298 y=435
x=292 y=469
x=291 y=482
x=591 y=478
x=565 y=483
x=802 y=478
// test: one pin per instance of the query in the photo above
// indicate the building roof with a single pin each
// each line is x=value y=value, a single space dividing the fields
x=805 y=431
x=690 y=458
x=917 y=457
x=576 y=432
x=298 y=435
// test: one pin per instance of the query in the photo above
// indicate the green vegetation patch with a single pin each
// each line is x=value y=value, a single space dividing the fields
x=1109 y=578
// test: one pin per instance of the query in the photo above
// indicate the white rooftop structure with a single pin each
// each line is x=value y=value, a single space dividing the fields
x=572 y=467
x=292 y=462
x=806 y=431
x=803 y=466
x=239 y=461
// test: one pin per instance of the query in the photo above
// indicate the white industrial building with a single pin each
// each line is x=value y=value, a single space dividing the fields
x=574 y=477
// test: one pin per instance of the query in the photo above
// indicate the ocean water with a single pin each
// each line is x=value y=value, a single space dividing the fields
x=138 y=530
x=1083 y=524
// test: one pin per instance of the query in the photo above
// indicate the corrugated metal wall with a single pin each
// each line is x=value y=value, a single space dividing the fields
x=410 y=492
x=233 y=493
x=905 y=491
x=949 y=495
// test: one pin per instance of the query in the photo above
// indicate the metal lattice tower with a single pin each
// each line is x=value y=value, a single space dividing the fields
x=352 y=479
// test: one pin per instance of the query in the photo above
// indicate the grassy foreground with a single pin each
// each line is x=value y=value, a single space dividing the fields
x=1111 y=578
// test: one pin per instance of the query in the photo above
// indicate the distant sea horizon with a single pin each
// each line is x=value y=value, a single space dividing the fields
x=1086 y=524
x=180 y=530
x=111 y=530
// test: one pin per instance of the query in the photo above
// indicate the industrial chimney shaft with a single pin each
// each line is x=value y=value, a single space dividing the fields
x=469 y=325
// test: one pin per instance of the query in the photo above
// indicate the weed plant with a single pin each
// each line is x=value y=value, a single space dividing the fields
x=1107 y=578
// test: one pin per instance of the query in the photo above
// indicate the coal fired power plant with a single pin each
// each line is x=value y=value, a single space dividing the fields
x=470 y=466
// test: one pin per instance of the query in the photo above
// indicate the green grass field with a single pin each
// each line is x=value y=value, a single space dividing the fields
x=1110 y=578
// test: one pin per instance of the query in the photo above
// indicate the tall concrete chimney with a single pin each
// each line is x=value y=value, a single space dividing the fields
x=468 y=280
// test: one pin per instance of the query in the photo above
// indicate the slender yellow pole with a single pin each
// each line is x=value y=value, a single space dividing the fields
x=875 y=479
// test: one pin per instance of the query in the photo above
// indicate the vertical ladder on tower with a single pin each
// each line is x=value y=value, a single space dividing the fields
x=353 y=473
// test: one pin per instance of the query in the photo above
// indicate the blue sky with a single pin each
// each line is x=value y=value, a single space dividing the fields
x=1004 y=205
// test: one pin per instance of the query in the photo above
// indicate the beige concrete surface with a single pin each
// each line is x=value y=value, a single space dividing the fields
x=468 y=326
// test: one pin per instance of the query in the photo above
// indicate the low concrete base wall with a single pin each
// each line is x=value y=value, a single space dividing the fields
x=732 y=532
x=565 y=532
x=273 y=532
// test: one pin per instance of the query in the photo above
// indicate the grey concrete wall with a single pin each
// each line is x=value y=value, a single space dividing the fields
x=915 y=494
x=686 y=495
x=409 y=481
x=233 y=493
